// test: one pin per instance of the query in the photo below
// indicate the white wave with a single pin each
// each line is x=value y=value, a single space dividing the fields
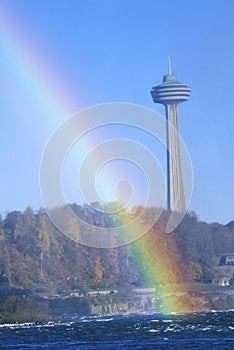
x=169 y=329
x=17 y=325
x=206 y=328
x=104 y=319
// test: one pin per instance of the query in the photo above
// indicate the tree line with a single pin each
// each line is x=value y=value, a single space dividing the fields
x=35 y=255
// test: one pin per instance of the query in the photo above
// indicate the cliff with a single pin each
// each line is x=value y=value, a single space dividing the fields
x=182 y=301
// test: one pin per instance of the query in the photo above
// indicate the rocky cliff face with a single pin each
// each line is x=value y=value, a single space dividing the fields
x=192 y=301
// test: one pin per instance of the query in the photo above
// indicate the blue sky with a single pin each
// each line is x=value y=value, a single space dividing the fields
x=60 y=56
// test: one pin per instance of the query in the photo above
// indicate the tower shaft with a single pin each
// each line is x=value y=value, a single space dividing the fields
x=170 y=93
x=175 y=180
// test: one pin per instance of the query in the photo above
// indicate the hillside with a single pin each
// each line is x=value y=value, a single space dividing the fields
x=36 y=256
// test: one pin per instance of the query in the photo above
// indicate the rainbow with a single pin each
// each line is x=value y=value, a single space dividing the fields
x=31 y=74
x=160 y=271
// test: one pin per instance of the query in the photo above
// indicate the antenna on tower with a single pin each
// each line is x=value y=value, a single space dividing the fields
x=169 y=65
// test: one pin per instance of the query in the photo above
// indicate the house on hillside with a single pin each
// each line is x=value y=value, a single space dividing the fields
x=224 y=270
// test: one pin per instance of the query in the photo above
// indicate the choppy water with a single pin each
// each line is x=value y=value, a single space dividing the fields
x=196 y=331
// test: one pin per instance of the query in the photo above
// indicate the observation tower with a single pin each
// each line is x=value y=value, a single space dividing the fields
x=170 y=93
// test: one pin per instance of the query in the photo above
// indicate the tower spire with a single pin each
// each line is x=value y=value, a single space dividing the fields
x=169 y=65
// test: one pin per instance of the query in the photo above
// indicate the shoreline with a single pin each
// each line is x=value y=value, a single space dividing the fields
x=183 y=301
x=109 y=317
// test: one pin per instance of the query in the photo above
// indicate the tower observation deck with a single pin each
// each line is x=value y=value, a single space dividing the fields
x=170 y=93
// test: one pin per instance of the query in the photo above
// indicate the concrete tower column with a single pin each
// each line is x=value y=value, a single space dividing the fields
x=170 y=93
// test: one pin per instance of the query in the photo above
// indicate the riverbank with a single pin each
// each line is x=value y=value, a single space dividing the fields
x=184 y=300
x=19 y=309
